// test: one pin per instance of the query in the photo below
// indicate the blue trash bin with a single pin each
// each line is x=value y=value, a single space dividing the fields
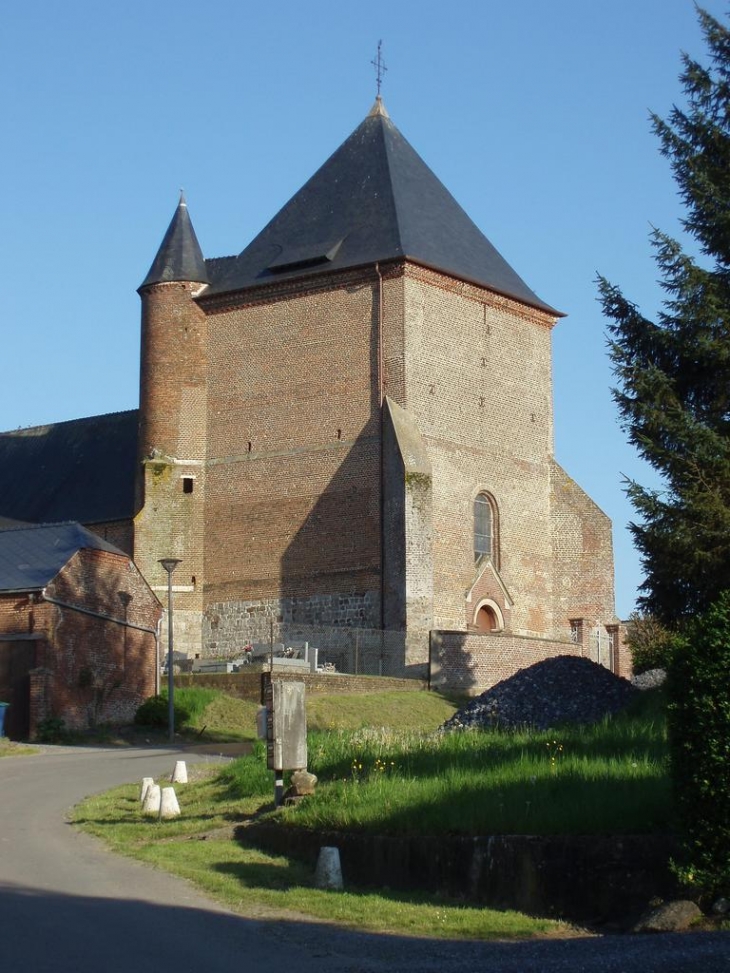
x=3 y=707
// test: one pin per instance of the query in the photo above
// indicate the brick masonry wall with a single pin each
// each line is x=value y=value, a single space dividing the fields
x=583 y=555
x=275 y=394
x=474 y=663
x=293 y=484
x=23 y=613
x=108 y=584
x=120 y=533
x=478 y=381
x=89 y=669
x=173 y=434
x=624 y=666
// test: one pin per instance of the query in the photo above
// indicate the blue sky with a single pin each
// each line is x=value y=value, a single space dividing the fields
x=533 y=114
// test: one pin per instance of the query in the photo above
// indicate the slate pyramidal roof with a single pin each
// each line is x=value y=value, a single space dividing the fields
x=374 y=200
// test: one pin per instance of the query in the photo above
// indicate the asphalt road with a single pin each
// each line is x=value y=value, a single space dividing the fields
x=69 y=906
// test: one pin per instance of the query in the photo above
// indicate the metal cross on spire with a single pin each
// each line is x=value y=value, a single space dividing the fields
x=379 y=64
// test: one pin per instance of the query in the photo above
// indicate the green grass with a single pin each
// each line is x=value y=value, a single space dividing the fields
x=395 y=710
x=607 y=778
x=10 y=749
x=217 y=717
x=252 y=882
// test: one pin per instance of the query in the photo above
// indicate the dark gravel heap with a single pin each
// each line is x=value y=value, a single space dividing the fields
x=565 y=689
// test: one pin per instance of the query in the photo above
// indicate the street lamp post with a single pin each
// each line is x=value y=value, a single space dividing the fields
x=169 y=564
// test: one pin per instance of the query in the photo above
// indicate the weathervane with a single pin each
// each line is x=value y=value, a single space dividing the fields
x=379 y=65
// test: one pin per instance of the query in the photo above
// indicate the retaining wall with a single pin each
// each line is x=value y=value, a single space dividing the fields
x=583 y=878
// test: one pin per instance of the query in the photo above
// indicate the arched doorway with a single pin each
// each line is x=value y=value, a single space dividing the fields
x=488 y=617
x=486 y=620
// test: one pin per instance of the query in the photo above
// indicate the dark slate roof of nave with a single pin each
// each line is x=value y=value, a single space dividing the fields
x=374 y=200
x=32 y=556
x=79 y=470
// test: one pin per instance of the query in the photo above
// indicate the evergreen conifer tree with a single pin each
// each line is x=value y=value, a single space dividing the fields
x=673 y=374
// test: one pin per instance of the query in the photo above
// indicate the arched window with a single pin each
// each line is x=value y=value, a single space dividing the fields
x=485 y=533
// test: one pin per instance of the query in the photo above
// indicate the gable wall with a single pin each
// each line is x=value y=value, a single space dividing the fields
x=583 y=551
x=99 y=669
x=478 y=380
x=87 y=669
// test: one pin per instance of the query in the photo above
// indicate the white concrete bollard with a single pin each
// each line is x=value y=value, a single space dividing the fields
x=147 y=782
x=152 y=800
x=328 y=874
x=169 y=808
x=180 y=773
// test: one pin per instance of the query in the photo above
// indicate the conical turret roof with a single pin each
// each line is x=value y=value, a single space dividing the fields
x=179 y=256
x=374 y=199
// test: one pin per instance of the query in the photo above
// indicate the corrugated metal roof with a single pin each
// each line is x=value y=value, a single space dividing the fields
x=80 y=470
x=375 y=199
x=30 y=557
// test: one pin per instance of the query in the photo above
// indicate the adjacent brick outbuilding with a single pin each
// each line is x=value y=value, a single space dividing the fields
x=78 y=629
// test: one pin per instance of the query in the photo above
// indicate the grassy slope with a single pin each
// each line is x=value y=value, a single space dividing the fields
x=250 y=881
x=228 y=719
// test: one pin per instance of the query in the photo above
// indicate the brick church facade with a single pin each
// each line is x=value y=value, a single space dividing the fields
x=348 y=425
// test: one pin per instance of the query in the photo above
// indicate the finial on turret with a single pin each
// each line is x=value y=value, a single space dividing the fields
x=379 y=64
x=182 y=201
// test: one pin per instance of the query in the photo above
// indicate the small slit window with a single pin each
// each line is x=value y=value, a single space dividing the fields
x=484 y=528
x=187 y=484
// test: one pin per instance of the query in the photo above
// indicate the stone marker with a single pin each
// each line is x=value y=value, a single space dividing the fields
x=169 y=808
x=180 y=773
x=302 y=783
x=152 y=800
x=328 y=874
x=146 y=784
x=669 y=917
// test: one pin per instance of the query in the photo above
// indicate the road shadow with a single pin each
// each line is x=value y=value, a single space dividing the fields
x=45 y=931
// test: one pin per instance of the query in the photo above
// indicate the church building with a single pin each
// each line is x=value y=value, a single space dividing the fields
x=348 y=425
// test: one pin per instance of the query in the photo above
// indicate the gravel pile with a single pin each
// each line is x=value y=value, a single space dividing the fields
x=649 y=679
x=565 y=689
